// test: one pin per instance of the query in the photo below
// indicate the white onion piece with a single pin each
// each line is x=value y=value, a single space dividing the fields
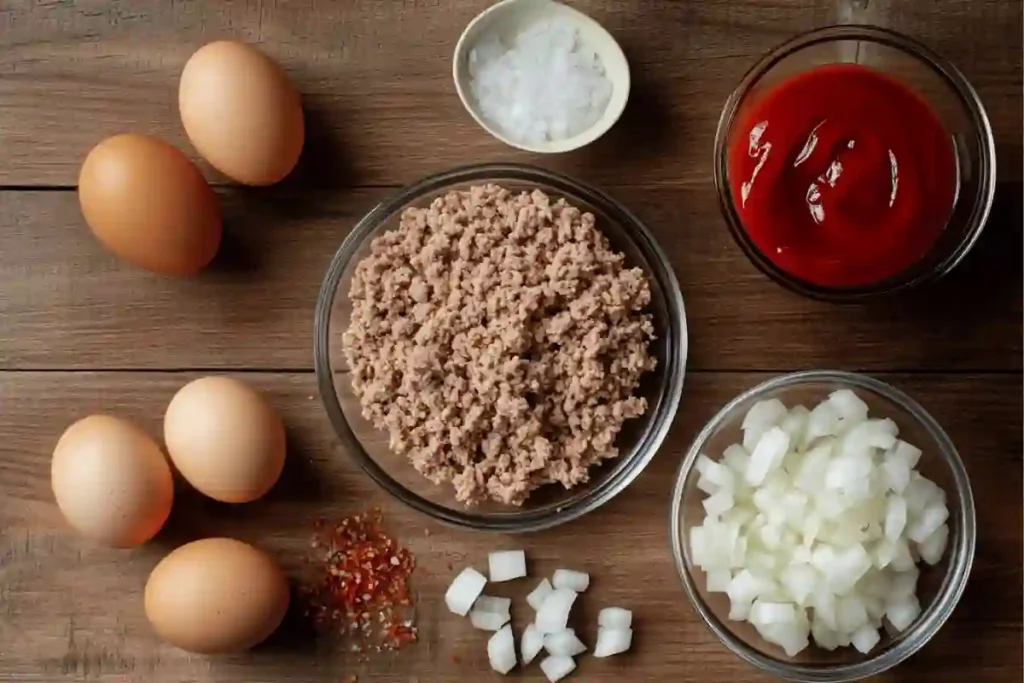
x=464 y=590
x=501 y=650
x=564 y=643
x=612 y=641
x=531 y=644
x=507 y=565
x=615 y=618
x=902 y=613
x=767 y=455
x=718 y=580
x=865 y=638
x=539 y=594
x=814 y=523
x=556 y=668
x=554 y=613
x=571 y=579
x=488 y=621
x=490 y=603
x=934 y=546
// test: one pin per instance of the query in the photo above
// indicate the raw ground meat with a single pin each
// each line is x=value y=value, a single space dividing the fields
x=498 y=340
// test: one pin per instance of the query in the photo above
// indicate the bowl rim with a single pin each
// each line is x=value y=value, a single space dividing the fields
x=961 y=548
x=969 y=100
x=647 y=444
x=605 y=123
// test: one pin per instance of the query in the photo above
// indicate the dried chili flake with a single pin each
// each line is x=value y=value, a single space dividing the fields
x=365 y=575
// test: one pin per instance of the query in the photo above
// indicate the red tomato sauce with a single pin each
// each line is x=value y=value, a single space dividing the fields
x=842 y=176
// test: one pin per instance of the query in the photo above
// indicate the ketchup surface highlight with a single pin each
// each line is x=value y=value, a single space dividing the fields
x=842 y=176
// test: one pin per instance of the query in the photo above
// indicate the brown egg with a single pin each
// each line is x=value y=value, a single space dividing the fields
x=111 y=481
x=216 y=596
x=225 y=439
x=241 y=112
x=147 y=203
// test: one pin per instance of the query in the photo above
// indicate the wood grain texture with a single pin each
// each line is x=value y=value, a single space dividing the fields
x=375 y=75
x=66 y=303
x=72 y=611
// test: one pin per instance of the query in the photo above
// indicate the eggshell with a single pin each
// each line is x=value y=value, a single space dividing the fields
x=241 y=112
x=225 y=439
x=111 y=481
x=216 y=596
x=147 y=203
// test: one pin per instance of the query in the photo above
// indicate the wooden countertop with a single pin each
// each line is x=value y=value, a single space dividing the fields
x=81 y=331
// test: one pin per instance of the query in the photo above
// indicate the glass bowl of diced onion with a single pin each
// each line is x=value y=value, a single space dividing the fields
x=823 y=526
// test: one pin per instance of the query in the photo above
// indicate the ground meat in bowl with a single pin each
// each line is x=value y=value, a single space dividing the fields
x=498 y=339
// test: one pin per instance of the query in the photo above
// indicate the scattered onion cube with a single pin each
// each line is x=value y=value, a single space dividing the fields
x=488 y=621
x=556 y=668
x=488 y=603
x=615 y=618
x=507 y=565
x=554 y=613
x=539 y=594
x=464 y=590
x=501 y=650
x=612 y=641
x=573 y=580
x=564 y=643
x=532 y=643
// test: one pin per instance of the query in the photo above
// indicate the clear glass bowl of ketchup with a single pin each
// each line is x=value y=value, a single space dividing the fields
x=853 y=162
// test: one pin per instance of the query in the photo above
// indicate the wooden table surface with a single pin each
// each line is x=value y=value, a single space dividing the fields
x=82 y=332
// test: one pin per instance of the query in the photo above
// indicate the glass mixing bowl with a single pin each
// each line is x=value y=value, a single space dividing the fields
x=932 y=77
x=552 y=504
x=939 y=587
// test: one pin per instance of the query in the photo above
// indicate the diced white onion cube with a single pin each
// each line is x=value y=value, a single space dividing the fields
x=488 y=621
x=490 y=603
x=865 y=638
x=571 y=579
x=532 y=643
x=501 y=650
x=556 y=668
x=464 y=590
x=615 y=618
x=554 y=613
x=719 y=580
x=507 y=565
x=539 y=594
x=902 y=613
x=564 y=643
x=767 y=455
x=612 y=641
x=933 y=547
x=895 y=517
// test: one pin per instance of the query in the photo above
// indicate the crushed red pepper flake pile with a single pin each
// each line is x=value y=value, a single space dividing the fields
x=362 y=593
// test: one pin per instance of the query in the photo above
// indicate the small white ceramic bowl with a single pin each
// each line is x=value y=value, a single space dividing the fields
x=507 y=19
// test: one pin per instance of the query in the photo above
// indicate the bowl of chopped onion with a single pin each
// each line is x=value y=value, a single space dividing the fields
x=823 y=526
